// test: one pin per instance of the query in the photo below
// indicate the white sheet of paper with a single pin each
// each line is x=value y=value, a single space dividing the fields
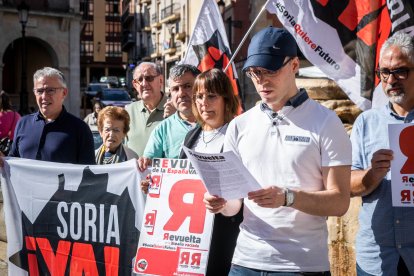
x=402 y=168
x=223 y=174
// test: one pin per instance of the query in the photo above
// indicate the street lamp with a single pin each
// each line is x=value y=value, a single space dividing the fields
x=23 y=9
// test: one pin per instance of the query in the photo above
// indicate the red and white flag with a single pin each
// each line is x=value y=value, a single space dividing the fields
x=343 y=38
x=208 y=46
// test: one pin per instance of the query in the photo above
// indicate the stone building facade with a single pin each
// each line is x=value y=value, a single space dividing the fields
x=157 y=31
x=52 y=39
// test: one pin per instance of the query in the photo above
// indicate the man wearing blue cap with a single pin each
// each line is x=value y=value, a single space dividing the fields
x=300 y=153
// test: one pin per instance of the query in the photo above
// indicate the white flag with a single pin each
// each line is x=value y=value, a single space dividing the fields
x=208 y=46
x=343 y=39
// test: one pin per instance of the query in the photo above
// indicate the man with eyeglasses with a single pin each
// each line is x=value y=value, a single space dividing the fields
x=385 y=240
x=52 y=134
x=167 y=138
x=300 y=153
x=152 y=107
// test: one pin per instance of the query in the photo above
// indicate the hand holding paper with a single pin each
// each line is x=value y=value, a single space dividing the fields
x=214 y=203
x=269 y=197
x=223 y=174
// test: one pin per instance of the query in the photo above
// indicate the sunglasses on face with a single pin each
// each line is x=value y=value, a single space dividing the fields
x=146 y=78
x=398 y=73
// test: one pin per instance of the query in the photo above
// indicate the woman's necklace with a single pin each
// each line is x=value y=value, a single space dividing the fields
x=217 y=131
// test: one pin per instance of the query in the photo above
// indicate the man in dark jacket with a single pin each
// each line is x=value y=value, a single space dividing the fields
x=52 y=134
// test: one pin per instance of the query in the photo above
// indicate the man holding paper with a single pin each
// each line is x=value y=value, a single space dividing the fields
x=300 y=154
x=385 y=241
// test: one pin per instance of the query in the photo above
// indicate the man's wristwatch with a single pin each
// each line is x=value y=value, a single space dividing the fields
x=289 y=197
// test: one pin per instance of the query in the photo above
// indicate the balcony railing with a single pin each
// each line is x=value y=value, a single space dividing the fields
x=154 y=18
x=126 y=16
x=125 y=4
x=181 y=31
x=155 y=23
x=146 y=22
x=128 y=40
x=156 y=50
x=170 y=10
x=170 y=13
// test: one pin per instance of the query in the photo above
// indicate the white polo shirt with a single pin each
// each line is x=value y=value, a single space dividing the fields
x=287 y=151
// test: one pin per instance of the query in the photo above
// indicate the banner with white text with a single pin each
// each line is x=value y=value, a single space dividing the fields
x=343 y=38
x=176 y=231
x=402 y=166
x=65 y=219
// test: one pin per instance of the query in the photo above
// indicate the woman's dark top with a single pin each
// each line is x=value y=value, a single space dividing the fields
x=225 y=229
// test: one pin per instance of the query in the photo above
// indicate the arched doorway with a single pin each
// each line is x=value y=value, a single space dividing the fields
x=39 y=54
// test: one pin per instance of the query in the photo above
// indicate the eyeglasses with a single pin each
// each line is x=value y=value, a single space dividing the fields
x=50 y=91
x=399 y=73
x=210 y=97
x=256 y=74
x=146 y=78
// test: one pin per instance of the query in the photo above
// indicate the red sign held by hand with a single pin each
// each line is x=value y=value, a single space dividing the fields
x=406 y=139
x=181 y=209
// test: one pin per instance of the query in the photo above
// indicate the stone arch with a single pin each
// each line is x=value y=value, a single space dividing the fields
x=39 y=54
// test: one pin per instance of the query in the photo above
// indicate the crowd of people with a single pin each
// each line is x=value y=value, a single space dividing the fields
x=295 y=148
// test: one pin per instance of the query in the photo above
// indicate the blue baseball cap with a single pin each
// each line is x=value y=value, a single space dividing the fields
x=269 y=48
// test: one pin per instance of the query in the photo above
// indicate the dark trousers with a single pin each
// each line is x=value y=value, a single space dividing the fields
x=223 y=241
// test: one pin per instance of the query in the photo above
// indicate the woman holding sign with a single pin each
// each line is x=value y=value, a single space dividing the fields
x=214 y=106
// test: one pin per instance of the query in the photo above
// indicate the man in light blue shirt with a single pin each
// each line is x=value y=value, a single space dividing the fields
x=385 y=241
x=167 y=138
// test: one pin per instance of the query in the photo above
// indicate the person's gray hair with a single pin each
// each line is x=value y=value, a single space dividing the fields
x=180 y=69
x=402 y=40
x=50 y=72
x=156 y=67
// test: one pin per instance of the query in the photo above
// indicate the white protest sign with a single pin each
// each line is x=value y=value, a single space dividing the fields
x=402 y=166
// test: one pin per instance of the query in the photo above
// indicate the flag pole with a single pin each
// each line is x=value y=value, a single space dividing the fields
x=245 y=36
